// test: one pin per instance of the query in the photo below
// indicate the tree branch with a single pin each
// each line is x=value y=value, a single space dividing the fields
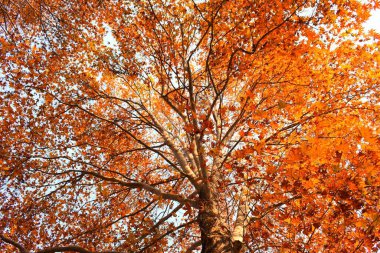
x=238 y=232
x=70 y=248
x=141 y=185
x=194 y=246
x=14 y=243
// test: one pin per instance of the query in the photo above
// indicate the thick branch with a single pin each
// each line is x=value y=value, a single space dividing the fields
x=135 y=185
x=14 y=243
x=144 y=186
x=65 y=249
x=238 y=233
x=70 y=248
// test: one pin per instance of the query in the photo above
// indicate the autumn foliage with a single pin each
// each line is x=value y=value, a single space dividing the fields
x=180 y=126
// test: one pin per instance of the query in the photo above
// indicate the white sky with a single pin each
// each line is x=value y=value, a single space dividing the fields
x=374 y=21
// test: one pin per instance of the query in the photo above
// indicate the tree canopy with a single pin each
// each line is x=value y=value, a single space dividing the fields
x=180 y=126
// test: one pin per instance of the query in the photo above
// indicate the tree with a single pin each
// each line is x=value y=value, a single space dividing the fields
x=173 y=126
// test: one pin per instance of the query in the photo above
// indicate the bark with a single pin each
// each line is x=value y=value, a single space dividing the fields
x=214 y=233
x=240 y=223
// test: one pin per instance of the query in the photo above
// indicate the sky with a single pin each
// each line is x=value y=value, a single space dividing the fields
x=374 y=21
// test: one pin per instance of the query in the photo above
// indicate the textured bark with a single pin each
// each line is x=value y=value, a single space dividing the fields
x=214 y=237
x=214 y=234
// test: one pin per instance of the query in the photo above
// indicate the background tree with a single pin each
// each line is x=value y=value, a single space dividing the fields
x=172 y=126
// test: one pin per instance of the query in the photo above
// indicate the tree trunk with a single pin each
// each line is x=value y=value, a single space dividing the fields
x=215 y=236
